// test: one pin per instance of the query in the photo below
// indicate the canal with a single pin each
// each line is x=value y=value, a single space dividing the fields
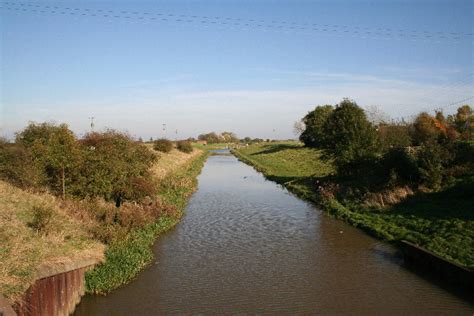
x=247 y=246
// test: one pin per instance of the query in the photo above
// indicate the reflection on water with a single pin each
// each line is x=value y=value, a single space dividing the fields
x=248 y=246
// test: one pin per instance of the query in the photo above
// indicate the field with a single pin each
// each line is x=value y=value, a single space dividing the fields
x=442 y=222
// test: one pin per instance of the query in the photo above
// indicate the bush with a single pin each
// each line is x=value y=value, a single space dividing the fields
x=18 y=166
x=163 y=145
x=394 y=136
x=185 y=146
x=41 y=217
x=115 y=167
x=430 y=165
x=398 y=167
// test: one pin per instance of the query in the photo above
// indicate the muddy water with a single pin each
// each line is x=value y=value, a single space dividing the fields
x=248 y=246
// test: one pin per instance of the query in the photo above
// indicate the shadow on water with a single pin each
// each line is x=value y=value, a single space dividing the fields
x=395 y=256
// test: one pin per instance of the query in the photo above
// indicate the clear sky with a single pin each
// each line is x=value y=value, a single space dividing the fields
x=252 y=67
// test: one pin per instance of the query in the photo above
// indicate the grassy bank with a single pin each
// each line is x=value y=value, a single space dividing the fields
x=442 y=222
x=39 y=229
x=126 y=257
x=36 y=229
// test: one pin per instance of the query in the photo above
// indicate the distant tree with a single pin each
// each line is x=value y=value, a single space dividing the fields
x=55 y=147
x=140 y=140
x=376 y=115
x=464 y=122
x=394 y=136
x=247 y=140
x=212 y=138
x=350 y=137
x=229 y=137
x=314 y=134
x=426 y=128
x=298 y=128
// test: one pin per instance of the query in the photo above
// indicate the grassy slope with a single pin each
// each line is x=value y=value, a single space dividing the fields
x=67 y=237
x=127 y=257
x=23 y=249
x=443 y=222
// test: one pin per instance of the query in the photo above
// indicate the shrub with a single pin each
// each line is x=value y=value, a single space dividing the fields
x=18 y=166
x=430 y=165
x=163 y=145
x=114 y=167
x=185 y=146
x=41 y=217
x=398 y=167
x=394 y=136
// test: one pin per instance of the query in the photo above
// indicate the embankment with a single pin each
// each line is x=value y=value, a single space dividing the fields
x=128 y=256
x=440 y=222
x=41 y=232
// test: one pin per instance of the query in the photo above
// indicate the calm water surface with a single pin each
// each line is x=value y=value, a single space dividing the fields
x=248 y=246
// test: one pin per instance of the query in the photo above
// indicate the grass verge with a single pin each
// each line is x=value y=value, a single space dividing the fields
x=442 y=222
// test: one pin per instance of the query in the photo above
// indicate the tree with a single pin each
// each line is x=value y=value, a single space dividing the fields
x=314 y=122
x=426 y=129
x=464 y=122
x=376 y=116
x=229 y=137
x=55 y=147
x=211 y=138
x=394 y=136
x=350 y=137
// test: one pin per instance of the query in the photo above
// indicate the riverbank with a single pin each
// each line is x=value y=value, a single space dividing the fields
x=441 y=222
x=39 y=229
x=126 y=257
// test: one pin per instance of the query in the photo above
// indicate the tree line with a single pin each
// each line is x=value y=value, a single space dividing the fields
x=429 y=151
x=108 y=164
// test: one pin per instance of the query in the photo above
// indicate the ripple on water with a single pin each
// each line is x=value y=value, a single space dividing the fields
x=247 y=246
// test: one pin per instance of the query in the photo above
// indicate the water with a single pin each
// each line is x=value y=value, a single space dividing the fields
x=248 y=246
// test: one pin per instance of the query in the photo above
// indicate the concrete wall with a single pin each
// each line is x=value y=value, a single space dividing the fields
x=56 y=292
x=54 y=295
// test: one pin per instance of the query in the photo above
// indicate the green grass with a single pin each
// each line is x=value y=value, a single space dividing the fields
x=126 y=257
x=289 y=164
x=210 y=146
x=442 y=222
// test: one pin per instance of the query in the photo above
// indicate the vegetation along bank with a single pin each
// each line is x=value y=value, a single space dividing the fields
x=103 y=196
x=409 y=181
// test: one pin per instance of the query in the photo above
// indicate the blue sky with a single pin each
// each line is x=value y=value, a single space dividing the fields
x=252 y=67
